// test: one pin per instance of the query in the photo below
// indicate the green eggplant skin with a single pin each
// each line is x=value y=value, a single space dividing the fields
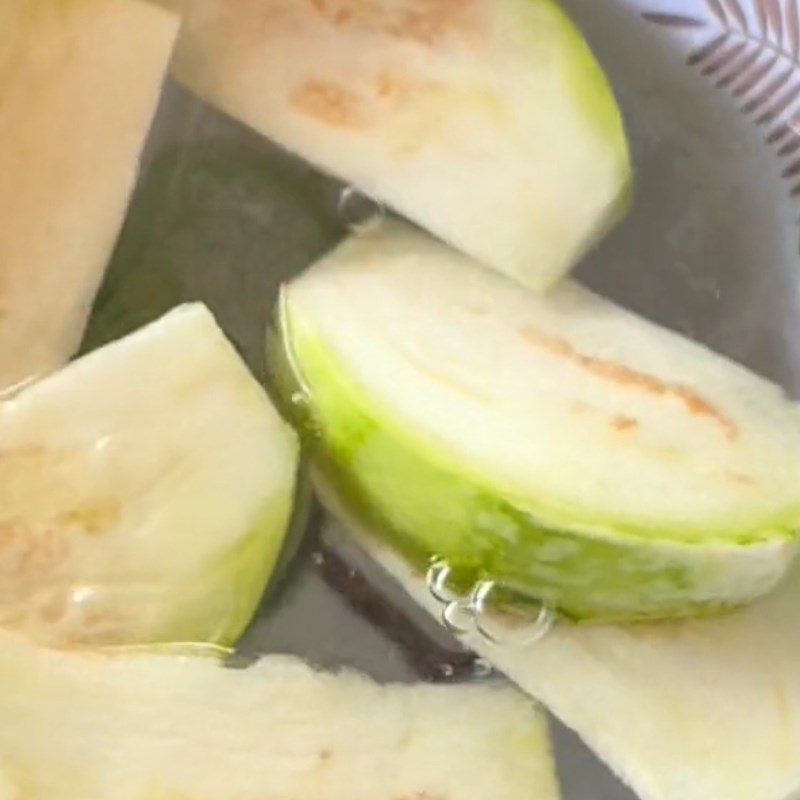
x=428 y=507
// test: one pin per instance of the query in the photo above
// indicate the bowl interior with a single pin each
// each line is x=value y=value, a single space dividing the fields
x=709 y=248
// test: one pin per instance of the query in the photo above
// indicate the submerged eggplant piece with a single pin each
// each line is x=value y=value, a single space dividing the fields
x=144 y=492
x=79 y=83
x=152 y=727
x=698 y=709
x=558 y=444
x=487 y=122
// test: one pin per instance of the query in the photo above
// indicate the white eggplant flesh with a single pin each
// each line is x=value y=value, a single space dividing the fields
x=700 y=709
x=80 y=83
x=145 y=492
x=488 y=122
x=139 y=726
x=556 y=443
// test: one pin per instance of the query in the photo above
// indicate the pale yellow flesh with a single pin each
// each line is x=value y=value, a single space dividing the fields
x=154 y=727
x=485 y=121
x=566 y=404
x=79 y=83
x=145 y=491
x=696 y=710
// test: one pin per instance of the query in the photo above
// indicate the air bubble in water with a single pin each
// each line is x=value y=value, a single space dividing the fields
x=359 y=211
x=437 y=578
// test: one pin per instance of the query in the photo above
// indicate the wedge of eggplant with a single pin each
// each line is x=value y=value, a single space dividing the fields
x=488 y=122
x=141 y=726
x=80 y=82
x=145 y=492
x=558 y=444
x=698 y=709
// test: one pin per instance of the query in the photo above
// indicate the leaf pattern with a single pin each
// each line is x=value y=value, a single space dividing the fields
x=738 y=67
x=773 y=18
x=777 y=108
x=736 y=13
x=715 y=7
x=793 y=170
x=724 y=59
x=793 y=27
x=757 y=100
x=777 y=135
x=761 y=13
x=751 y=48
x=705 y=52
x=791 y=147
x=752 y=78
x=674 y=20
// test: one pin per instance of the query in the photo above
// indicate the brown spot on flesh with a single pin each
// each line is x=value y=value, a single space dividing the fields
x=95 y=517
x=39 y=549
x=58 y=615
x=622 y=375
x=338 y=12
x=623 y=424
x=32 y=575
x=30 y=550
x=38 y=576
x=390 y=86
x=52 y=609
x=739 y=478
x=430 y=22
x=426 y=22
x=331 y=104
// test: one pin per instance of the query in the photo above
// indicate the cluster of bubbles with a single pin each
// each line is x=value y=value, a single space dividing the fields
x=470 y=613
